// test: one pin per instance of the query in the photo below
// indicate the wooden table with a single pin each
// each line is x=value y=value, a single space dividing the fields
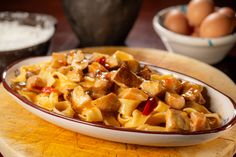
x=142 y=34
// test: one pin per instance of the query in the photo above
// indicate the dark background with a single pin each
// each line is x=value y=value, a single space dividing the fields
x=142 y=34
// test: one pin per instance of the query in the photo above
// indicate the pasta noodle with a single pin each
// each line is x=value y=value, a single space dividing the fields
x=115 y=90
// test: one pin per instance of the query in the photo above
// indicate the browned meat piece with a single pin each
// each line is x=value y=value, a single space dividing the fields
x=177 y=120
x=174 y=100
x=171 y=84
x=79 y=98
x=133 y=65
x=145 y=73
x=96 y=68
x=199 y=121
x=75 y=56
x=101 y=87
x=107 y=103
x=133 y=93
x=152 y=88
x=112 y=62
x=125 y=78
x=193 y=92
x=34 y=83
x=58 y=60
x=75 y=75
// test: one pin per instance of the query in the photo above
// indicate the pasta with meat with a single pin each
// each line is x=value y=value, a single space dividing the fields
x=115 y=90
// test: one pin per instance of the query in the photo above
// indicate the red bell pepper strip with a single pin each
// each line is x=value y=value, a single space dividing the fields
x=102 y=61
x=149 y=106
x=48 y=90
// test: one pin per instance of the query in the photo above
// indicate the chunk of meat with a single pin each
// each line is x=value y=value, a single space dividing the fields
x=75 y=75
x=58 y=60
x=145 y=73
x=193 y=92
x=112 y=62
x=100 y=88
x=152 y=88
x=125 y=78
x=171 y=83
x=177 y=120
x=174 y=100
x=34 y=83
x=96 y=68
x=107 y=103
x=79 y=99
x=133 y=93
x=133 y=65
x=75 y=56
x=199 y=121
x=122 y=56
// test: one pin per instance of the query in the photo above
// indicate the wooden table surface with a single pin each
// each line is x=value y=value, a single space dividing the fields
x=24 y=135
x=142 y=34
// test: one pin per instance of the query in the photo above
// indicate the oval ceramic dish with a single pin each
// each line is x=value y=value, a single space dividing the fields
x=220 y=104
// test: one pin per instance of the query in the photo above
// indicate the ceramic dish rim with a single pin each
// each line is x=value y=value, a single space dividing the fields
x=224 y=127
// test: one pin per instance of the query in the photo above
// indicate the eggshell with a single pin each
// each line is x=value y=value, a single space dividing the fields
x=177 y=22
x=216 y=25
x=195 y=32
x=227 y=11
x=198 y=10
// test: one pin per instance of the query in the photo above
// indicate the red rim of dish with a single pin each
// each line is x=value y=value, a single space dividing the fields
x=29 y=103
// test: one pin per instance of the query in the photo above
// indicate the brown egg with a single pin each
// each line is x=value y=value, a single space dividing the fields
x=177 y=22
x=227 y=11
x=195 y=32
x=198 y=10
x=216 y=25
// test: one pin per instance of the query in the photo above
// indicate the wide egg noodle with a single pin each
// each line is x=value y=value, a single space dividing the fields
x=128 y=106
x=44 y=101
x=64 y=108
x=91 y=114
x=137 y=119
x=62 y=82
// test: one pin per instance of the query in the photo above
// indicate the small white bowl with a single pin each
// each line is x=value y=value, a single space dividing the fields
x=220 y=103
x=209 y=50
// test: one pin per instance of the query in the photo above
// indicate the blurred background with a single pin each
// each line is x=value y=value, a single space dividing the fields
x=141 y=35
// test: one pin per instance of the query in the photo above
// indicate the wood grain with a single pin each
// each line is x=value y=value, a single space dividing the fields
x=24 y=135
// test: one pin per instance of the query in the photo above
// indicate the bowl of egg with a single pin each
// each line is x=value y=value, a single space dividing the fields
x=24 y=34
x=199 y=30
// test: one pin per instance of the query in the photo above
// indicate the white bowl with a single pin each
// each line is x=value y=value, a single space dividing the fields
x=209 y=50
x=220 y=103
